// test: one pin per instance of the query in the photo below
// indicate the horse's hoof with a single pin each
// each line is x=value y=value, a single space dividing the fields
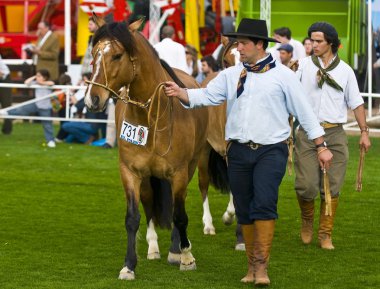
x=153 y=256
x=209 y=231
x=228 y=218
x=174 y=259
x=126 y=274
x=240 y=247
x=188 y=267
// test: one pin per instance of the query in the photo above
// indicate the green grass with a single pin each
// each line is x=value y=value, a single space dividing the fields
x=62 y=226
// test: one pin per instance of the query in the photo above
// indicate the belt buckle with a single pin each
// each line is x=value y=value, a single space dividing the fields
x=253 y=146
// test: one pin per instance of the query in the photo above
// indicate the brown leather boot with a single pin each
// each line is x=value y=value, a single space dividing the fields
x=307 y=217
x=326 y=224
x=247 y=231
x=263 y=236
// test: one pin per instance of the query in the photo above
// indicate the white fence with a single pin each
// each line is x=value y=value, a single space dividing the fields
x=67 y=89
x=351 y=126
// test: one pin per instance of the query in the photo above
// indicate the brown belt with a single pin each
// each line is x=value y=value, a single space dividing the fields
x=327 y=125
x=253 y=145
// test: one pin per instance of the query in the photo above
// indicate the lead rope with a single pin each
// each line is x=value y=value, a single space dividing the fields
x=158 y=91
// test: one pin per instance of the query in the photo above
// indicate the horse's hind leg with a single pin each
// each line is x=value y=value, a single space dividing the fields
x=240 y=245
x=132 y=222
x=180 y=220
x=203 y=183
x=229 y=215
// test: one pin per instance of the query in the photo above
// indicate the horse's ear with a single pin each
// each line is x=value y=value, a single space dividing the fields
x=224 y=40
x=98 y=20
x=136 y=25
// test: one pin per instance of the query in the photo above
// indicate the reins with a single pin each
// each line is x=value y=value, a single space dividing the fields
x=127 y=100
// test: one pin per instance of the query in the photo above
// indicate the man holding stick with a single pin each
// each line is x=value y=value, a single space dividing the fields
x=331 y=87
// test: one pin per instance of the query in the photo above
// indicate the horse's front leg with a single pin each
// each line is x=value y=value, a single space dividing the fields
x=132 y=221
x=203 y=183
x=180 y=219
x=151 y=235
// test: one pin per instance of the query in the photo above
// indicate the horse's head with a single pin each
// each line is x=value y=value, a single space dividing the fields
x=230 y=55
x=113 y=63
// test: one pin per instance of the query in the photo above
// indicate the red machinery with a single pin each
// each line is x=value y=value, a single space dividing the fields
x=49 y=10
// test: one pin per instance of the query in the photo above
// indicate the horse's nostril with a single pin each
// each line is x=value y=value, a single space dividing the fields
x=96 y=100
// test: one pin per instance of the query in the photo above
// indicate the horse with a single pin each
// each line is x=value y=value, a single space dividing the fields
x=160 y=141
x=214 y=153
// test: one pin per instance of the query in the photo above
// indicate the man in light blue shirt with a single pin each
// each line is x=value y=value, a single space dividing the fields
x=260 y=94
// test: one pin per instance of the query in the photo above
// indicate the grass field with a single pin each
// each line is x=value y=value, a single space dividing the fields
x=62 y=226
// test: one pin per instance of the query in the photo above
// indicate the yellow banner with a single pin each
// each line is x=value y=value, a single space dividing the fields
x=192 y=24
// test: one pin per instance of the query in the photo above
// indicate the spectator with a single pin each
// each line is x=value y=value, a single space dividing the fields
x=308 y=45
x=5 y=95
x=284 y=36
x=208 y=68
x=87 y=58
x=42 y=107
x=192 y=62
x=286 y=56
x=170 y=51
x=84 y=132
x=46 y=52
x=59 y=106
x=111 y=127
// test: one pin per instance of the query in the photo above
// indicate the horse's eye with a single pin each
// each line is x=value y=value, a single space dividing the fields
x=116 y=57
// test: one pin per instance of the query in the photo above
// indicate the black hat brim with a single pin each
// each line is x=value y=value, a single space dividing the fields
x=235 y=35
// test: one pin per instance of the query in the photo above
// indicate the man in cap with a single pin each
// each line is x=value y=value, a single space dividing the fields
x=286 y=55
x=260 y=95
x=331 y=87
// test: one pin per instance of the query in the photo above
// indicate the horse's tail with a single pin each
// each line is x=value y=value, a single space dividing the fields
x=217 y=170
x=162 y=203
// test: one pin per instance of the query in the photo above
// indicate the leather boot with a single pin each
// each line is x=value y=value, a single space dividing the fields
x=307 y=218
x=247 y=231
x=263 y=236
x=326 y=224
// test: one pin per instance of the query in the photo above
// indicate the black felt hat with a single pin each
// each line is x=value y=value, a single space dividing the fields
x=252 y=28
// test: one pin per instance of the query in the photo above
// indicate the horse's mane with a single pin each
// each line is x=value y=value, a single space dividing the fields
x=120 y=32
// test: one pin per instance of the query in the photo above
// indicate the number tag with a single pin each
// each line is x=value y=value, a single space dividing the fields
x=137 y=135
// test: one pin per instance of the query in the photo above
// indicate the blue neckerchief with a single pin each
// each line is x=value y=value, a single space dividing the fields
x=261 y=67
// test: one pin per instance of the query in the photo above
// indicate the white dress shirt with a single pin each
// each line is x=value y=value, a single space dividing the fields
x=173 y=53
x=330 y=104
x=261 y=112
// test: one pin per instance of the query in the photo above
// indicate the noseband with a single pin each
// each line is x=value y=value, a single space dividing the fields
x=100 y=46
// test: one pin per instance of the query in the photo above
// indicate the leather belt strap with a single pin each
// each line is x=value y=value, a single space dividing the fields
x=327 y=125
x=254 y=146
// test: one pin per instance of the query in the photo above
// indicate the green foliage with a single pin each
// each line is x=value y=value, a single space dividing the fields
x=62 y=226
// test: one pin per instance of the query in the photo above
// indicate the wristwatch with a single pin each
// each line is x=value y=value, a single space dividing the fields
x=321 y=145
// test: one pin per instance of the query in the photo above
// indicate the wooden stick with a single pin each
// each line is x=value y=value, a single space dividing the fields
x=326 y=188
x=360 y=170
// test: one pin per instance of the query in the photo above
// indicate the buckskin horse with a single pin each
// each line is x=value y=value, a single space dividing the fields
x=160 y=141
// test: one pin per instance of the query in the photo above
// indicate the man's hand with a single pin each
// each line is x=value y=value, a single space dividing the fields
x=364 y=141
x=173 y=90
x=325 y=158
